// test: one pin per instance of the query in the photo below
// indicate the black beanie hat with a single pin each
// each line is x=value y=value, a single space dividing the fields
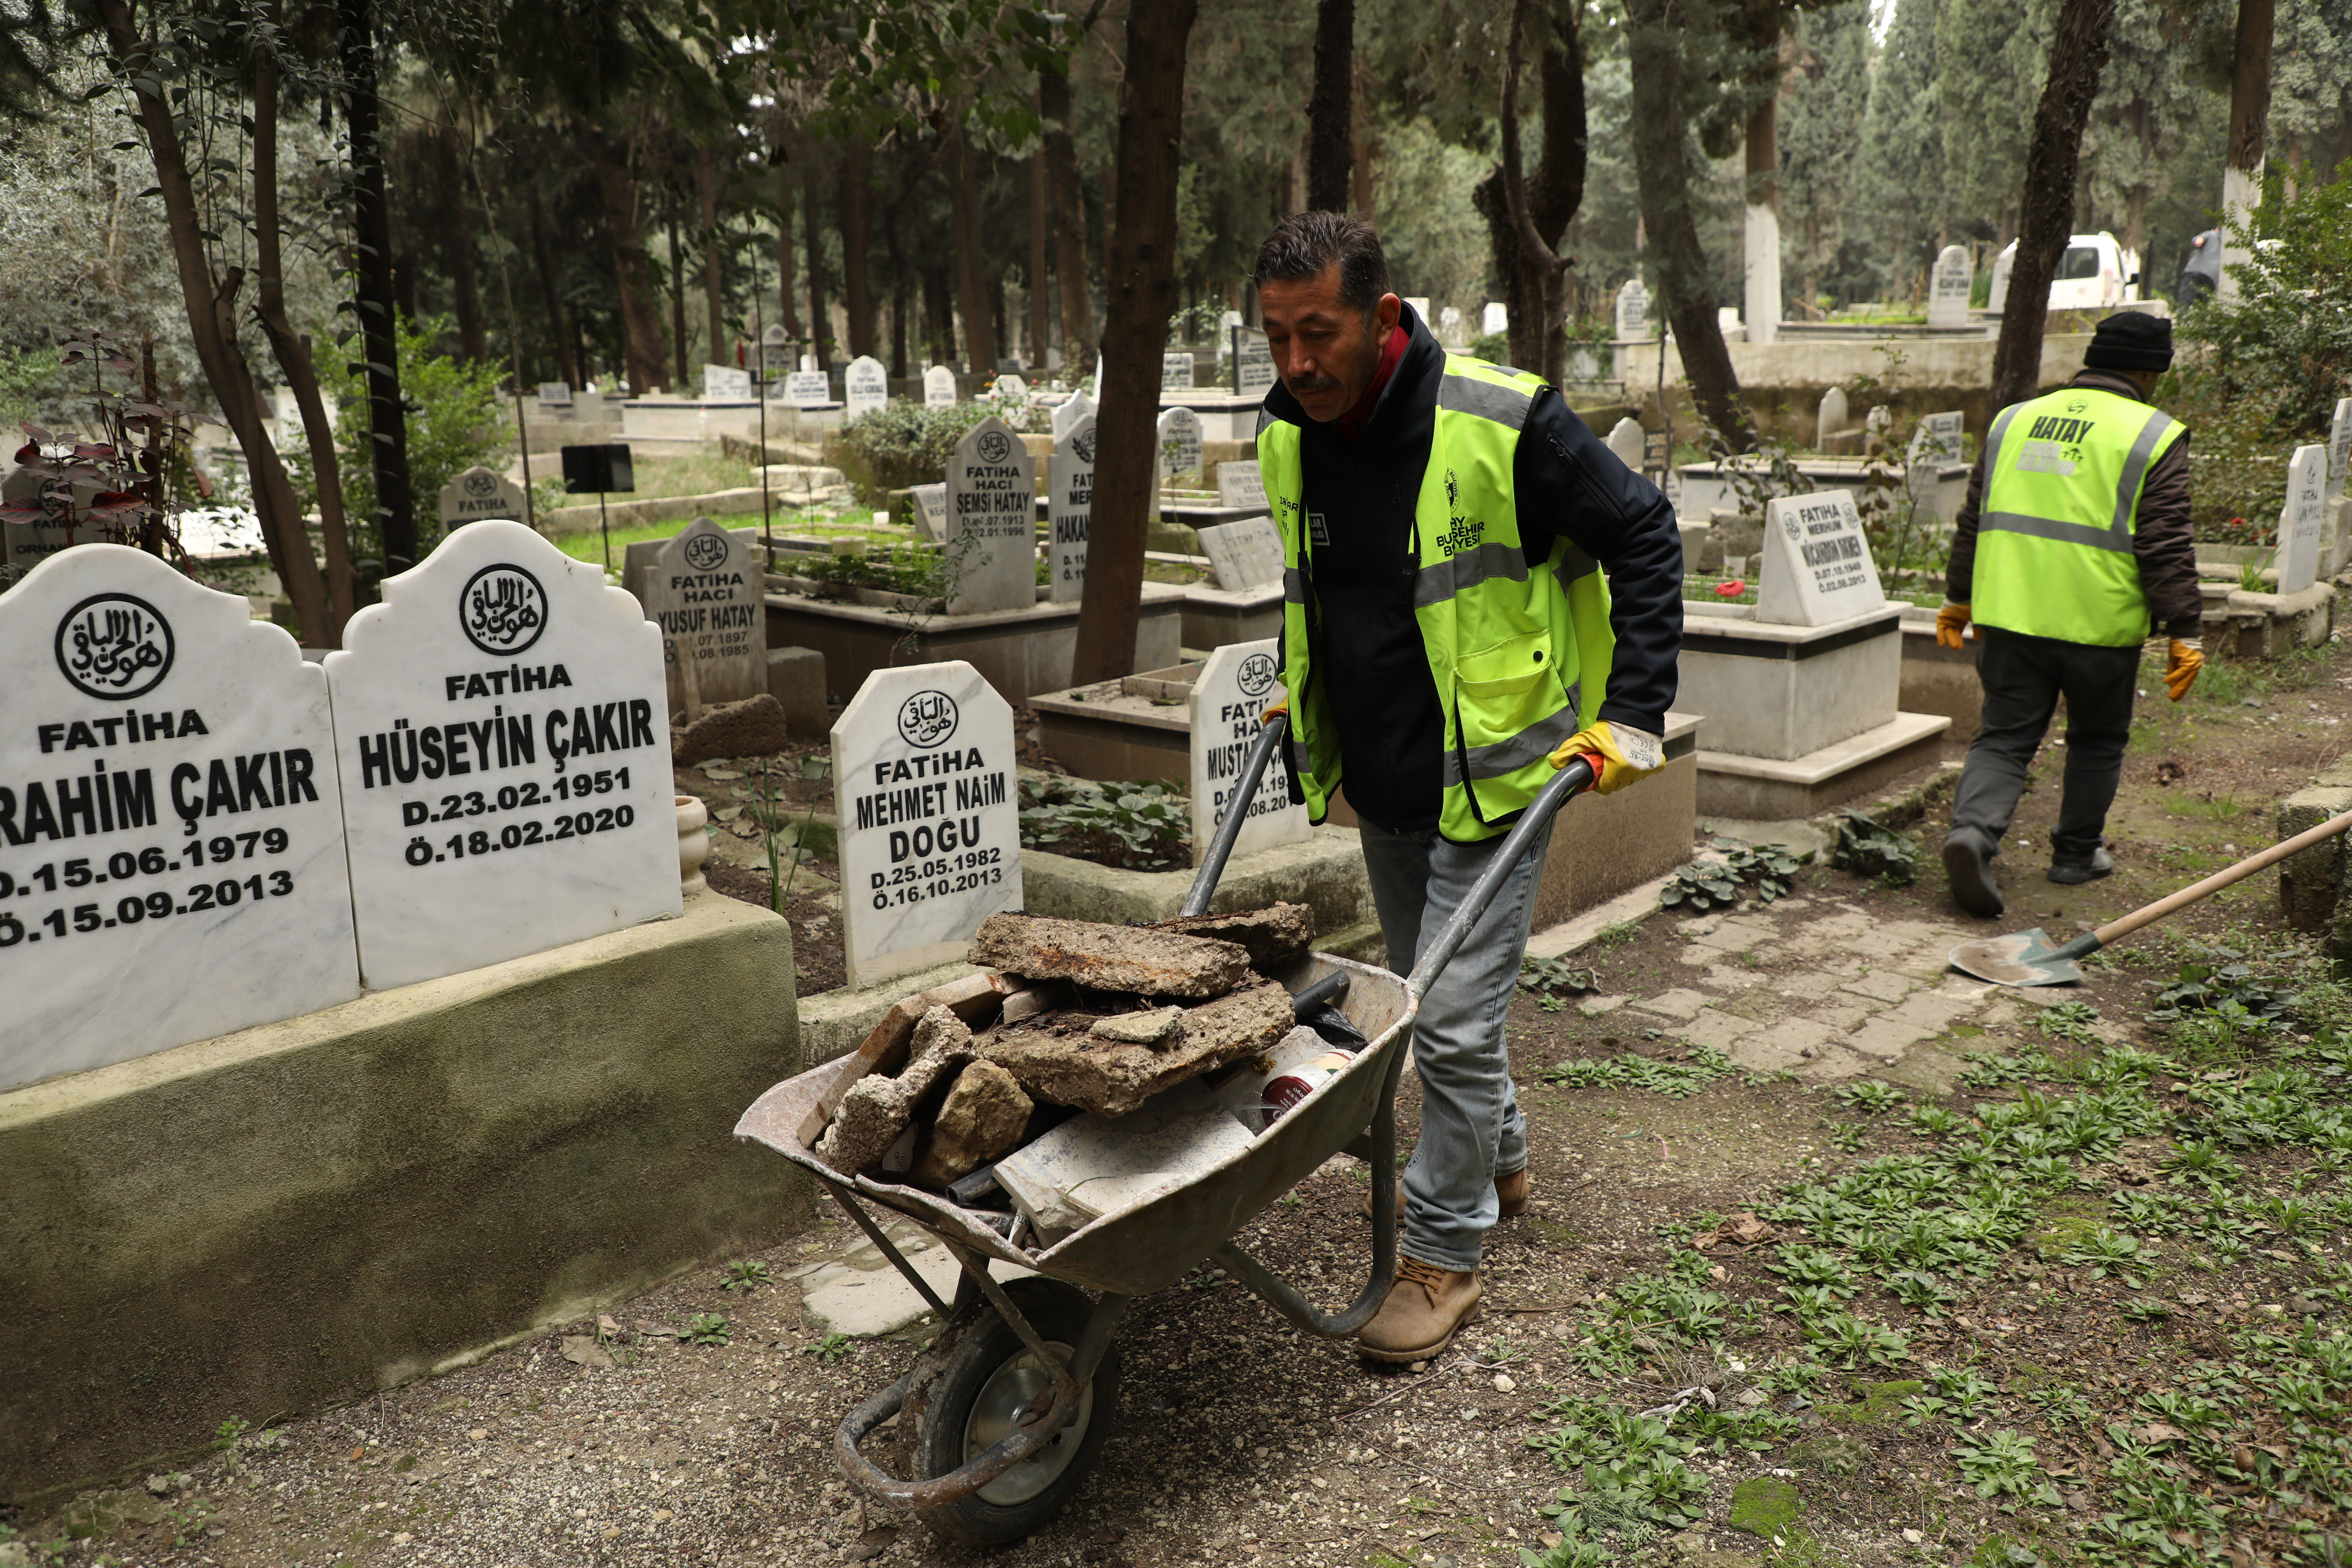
x=2131 y=340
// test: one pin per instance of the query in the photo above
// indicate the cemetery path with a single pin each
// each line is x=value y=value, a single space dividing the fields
x=1927 y=1272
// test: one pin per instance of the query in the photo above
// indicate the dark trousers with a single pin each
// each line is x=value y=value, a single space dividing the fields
x=2023 y=678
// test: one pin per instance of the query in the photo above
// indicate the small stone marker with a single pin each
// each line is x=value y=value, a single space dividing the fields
x=2300 y=518
x=929 y=820
x=725 y=384
x=171 y=835
x=1069 y=410
x=1237 y=683
x=1175 y=372
x=1625 y=442
x=478 y=493
x=1013 y=388
x=1997 y=297
x=1632 y=312
x=932 y=507
x=1947 y=287
x=1816 y=562
x=30 y=543
x=1252 y=364
x=1239 y=483
x=1069 y=506
x=1937 y=440
x=704 y=592
x=1244 y=555
x=1830 y=419
x=555 y=398
x=1494 y=317
x=1179 y=446
x=808 y=389
x=992 y=540
x=2339 y=445
x=775 y=353
x=939 y=387
x=865 y=386
x=504 y=743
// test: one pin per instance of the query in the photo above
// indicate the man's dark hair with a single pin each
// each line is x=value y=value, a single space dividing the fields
x=1304 y=245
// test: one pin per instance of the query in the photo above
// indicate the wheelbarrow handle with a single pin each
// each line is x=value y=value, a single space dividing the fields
x=1221 y=847
x=1580 y=775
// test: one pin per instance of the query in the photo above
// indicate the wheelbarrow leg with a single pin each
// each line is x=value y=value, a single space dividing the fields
x=897 y=1261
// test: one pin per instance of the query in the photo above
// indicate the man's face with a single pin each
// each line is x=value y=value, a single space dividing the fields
x=1324 y=351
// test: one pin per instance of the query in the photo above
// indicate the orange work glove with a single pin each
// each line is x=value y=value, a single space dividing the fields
x=1628 y=755
x=1951 y=621
x=2187 y=658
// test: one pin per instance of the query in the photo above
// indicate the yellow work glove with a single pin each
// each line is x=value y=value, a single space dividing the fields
x=2187 y=658
x=1627 y=755
x=1951 y=621
x=1276 y=710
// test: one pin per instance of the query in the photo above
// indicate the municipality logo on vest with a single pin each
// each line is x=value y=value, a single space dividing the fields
x=2054 y=443
x=1463 y=533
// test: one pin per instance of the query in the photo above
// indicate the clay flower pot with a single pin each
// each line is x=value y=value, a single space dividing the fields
x=693 y=842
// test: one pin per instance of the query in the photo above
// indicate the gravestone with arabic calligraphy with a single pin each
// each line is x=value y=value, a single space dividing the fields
x=1254 y=374
x=991 y=543
x=705 y=594
x=1179 y=447
x=1175 y=372
x=865 y=386
x=503 y=738
x=1634 y=311
x=34 y=525
x=171 y=837
x=923 y=784
x=939 y=387
x=1816 y=566
x=1948 y=289
x=478 y=493
x=1237 y=683
x=1069 y=410
x=1069 y=506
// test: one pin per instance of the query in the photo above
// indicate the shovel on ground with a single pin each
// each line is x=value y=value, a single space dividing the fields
x=2030 y=958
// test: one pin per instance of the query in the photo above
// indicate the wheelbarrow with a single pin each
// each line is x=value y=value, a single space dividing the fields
x=1001 y=1417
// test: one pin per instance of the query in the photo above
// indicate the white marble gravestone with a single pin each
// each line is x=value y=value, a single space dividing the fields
x=171 y=837
x=1997 y=296
x=1069 y=506
x=808 y=389
x=992 y=542
x=1947 y=287
x=939 y=387
x=2339 y=445
x=1240 y=483
x=923 y=787
x=864 y=385
x=1816 y=563
x=1494 y=317
x=478 y=493
x=1625 y=442
x=704 y=592
x=1012 y=388
x=1175 y=372
x=1830 y=417
x=1179 y=446
x=2300 y=518
x=504 y=744
x=1634 y=311
x=31 y=543
x=725 y=384
x=1244 y=555
x=931 y=510
x=1252 y=364
x=1238 y=683
x=1069 y=410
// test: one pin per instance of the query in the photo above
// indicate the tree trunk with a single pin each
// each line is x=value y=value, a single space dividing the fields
x=939 y=317
x=617 y=183
x=2249 y=116
x=1069 y=210
x=1654 y=48
x=1761 y=297
x=457 y=245
x=857 y=241
x=567 y=357
x=820 y=318
x=2078 y=52
x=395 y=506
x=1363 y=152
x=1040 y=297
x=1140 y=272
x=292 y=351
x=676 y=297
x=971 y=295
x=1535 y=294
x=786 y=266
x=714 y=276
x=1329 y=145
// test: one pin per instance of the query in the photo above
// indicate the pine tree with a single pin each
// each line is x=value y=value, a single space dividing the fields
x=1991 y=57
x=1903 y=209
x=1822 y=108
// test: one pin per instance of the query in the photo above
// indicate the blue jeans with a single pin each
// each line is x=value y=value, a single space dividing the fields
x=1471 y=1128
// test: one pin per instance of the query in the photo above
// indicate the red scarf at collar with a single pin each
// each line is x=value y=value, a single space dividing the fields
x=1351 y=424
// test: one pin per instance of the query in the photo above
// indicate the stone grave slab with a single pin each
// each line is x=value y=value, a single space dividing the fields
x=725 y=384
x=1012 y=388
x=924 y=790
x=1244 y=555
x=808 y=389
x=704 y=592
x=504 y=742
x=1240 y=483
x=1069 y=410
x=2339 y=445
x=2300 y=518
x=991 y=521
x=1625 y=442
x=554 y=396
x=1632 y=312
x=864 y=385
x=932 y=510
x=1179 y=446
x=478 y=493
x=1175 y=372
x=1830 y=417
x=1937 y=440
x=939 y=387
x=30 y=542
x=1817 y=566
x=1069 y=506
x=1947 y=287
x=170 y=834
x=1253 y=363
x=1238 y=682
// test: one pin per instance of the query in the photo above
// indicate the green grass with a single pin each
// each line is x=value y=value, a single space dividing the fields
x=818 y=522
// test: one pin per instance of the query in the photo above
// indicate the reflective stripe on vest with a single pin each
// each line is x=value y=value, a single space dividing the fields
x=2064 y=475
x=1507 y=645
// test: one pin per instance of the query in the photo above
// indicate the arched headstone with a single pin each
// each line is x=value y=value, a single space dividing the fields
x=1070 y=509
x=1947 y=287
x=939 y=387
x=864 y=385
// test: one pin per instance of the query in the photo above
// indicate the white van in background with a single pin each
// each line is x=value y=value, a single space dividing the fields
x=2095 y=271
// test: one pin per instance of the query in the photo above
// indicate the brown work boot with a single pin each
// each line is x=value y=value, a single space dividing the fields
x=1510 y=1195
x=1426 y=1308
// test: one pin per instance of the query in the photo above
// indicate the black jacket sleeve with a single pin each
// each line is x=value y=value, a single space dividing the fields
x=1570 y=486
x=1960 y=570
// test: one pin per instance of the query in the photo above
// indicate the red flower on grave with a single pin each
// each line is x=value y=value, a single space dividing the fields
x=1731 y=590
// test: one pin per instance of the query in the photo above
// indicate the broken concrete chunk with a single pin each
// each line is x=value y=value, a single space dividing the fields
x=974 y=999
x=1036 y=999
x=1148 y=1028
x=876 y=1108
x=1060 y=1059
x=1276 y=934
x=1111 y=958
x=983 y=1117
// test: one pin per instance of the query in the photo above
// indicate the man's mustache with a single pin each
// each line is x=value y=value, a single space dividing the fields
x=1314 y=383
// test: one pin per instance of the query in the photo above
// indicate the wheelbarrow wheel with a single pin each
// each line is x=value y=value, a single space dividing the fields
x=990 y=1377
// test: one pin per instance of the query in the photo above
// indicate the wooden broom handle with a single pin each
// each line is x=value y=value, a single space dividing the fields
x=2149 y=914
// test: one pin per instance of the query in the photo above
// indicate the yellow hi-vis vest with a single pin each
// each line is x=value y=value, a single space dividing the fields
x=2063 y=480
x=1509 y=647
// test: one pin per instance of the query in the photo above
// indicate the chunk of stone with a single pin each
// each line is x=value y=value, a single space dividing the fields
x=1036 y=999
x=1110 y=958
x=974 y=999
x=755 y=727
x=1060 y=1058
x=1146 y=1028
x=876 y=1108
x=982 y=1118
x=1278 y=934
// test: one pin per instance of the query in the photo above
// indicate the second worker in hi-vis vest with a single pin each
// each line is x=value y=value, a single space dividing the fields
x=1476 y=591
x=2074 y=537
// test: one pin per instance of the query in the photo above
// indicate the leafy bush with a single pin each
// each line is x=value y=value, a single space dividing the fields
x=1866 y=849
x=1707 y=885
x=1152 y=823
x=2228 y=988
x=905 y=444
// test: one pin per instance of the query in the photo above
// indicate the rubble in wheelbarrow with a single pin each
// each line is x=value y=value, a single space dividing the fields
x=1061 y=1057
x=1111 y=958
x=1094 y=1164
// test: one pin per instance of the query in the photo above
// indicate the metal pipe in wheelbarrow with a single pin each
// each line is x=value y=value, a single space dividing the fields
x=2030 y=958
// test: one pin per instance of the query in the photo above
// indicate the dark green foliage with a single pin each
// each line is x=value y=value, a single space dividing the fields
x=1765 y=872
x=1866 y=849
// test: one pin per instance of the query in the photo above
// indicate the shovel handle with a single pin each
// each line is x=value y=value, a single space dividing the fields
x=2148 y=914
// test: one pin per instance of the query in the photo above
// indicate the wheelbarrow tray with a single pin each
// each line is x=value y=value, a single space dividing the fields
x=1154 y=1243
